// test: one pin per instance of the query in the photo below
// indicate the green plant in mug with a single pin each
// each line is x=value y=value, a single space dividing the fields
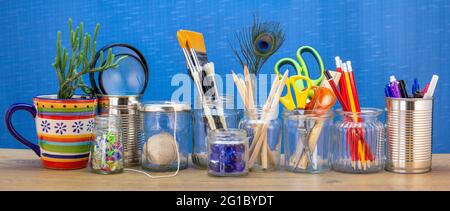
x=71 y=67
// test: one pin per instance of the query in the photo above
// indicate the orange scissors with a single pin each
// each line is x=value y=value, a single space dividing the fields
x=322 y=100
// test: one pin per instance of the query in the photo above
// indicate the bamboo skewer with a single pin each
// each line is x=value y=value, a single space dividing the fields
x=272 y=104
x=269 y=99
x=264 y=149
x=248 y=83
x=260 y=149
x=241 y=90
x=265 y=108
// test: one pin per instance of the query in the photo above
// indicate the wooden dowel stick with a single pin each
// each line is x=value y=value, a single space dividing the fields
x=248 y=82
x=257 y=148
x=264 y=149
x=272 y=93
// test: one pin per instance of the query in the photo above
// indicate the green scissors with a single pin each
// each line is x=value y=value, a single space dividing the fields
x=301 y=68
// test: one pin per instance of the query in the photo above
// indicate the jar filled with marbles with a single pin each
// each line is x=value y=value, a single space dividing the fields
x=165 y=145
x=213 y=113
x=107 y=152
x=227 y=152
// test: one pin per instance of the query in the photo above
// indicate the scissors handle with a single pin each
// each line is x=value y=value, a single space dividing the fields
x=287 y=100
x=301 y=95
x=287 y=61
x=304 y=68
x=322 y=100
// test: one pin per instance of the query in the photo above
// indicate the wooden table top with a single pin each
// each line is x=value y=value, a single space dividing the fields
x=21 y=170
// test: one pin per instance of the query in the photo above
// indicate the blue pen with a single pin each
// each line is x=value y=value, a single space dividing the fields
x=415 y=86
x=416 y=89
x=387 y=91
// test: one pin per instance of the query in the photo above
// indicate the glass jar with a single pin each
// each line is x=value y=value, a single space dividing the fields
x=227 y=152
x=307 y=140
x=264 y=132
x=214 y=114
x=126 y=108
x=360 y=142
x=166 y=135
x=107 y=151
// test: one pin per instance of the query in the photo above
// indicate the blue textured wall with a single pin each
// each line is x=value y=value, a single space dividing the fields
x=403 y=37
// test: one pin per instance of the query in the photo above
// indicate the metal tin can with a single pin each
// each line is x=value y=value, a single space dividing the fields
x=409 y=124
x=126 y=107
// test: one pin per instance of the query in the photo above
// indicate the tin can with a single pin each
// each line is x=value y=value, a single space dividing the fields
x=126 y=107
x=409 y=124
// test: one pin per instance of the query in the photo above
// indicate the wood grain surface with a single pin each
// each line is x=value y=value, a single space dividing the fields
x=21 y=170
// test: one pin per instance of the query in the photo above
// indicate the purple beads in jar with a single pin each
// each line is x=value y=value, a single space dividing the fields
x=227 y=152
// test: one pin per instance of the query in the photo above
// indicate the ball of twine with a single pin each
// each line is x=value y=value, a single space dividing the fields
x=161 y=149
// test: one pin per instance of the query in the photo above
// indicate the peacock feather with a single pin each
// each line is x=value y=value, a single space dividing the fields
x=254 y=45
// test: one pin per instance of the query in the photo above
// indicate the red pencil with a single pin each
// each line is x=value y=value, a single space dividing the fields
x=353 y=84
x=335 y=90
x=342 y=85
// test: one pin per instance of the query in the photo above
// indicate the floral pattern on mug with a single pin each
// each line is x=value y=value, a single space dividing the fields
x=45 y=126
x=77 y=127
x=90 y=125
x=60 y=128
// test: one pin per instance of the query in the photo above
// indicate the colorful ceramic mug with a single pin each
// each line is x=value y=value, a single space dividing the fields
x=65 y=129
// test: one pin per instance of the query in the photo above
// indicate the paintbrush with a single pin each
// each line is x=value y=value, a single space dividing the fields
x=210 y=73
x=195 y=45
x=194 y=71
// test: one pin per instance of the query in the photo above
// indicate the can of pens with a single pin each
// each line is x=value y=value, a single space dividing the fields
x=409 y=123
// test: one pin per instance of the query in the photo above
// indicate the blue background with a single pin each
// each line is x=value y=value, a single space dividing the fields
x=402 y=37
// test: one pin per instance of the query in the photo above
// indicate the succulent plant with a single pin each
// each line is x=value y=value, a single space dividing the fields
x=71 y=67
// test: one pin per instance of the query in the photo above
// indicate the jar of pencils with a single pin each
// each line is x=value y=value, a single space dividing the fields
x=213 y=113
x=264 y=132
x=359 y=146
x=166 y=138
x=307 y=140
x=227 y=152
x=107 y=151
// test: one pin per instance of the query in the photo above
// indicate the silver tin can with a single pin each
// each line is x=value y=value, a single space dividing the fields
x=409 y=123
x=126 y=107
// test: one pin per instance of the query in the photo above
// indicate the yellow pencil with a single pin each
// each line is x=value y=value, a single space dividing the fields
x=353 y=109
